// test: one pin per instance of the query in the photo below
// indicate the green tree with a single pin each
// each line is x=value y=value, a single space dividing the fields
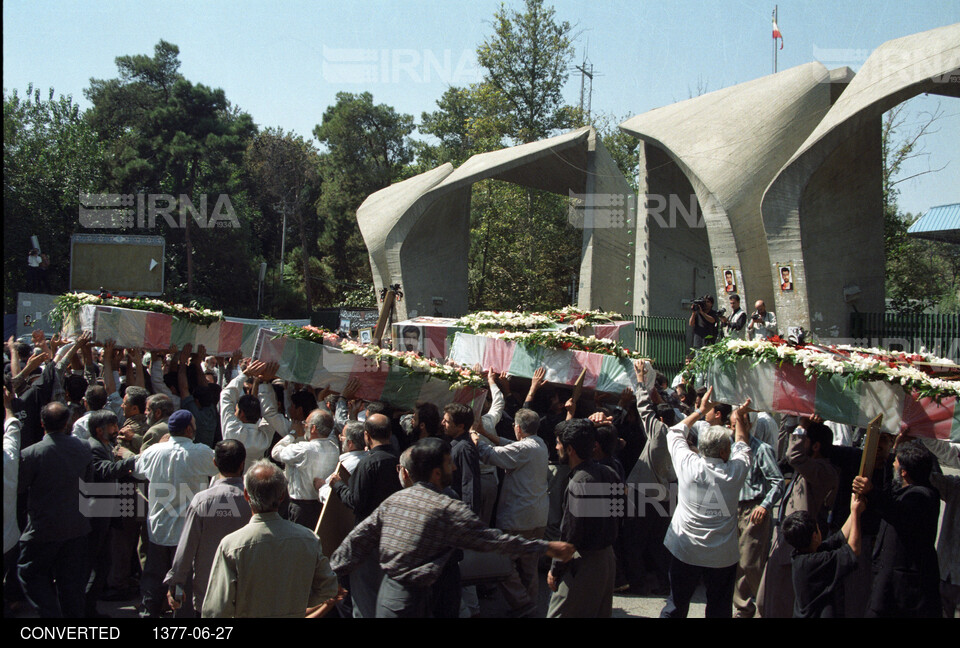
x=368 y=147
x=50 y=156
x=286 y=171
x=919 y=273
x=526 y=61
x=523 y=253
x=168 y=135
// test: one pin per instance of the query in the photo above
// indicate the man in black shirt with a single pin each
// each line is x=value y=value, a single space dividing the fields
x=374 y=480
x=704 y=319
x=584 y=587
x=906 y=569
x=456 y=423
x=819 y=566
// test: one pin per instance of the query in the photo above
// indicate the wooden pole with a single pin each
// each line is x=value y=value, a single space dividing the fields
x=869 y=458
x=384 y=316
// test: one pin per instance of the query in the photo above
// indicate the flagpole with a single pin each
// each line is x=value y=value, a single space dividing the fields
x=775 y=16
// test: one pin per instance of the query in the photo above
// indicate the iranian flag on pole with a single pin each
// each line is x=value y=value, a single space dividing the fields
x=786 y=389
x=776 y=31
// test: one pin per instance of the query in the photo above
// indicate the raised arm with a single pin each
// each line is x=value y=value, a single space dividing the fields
x=230 y=425
x=539 y=378
x=851 y=528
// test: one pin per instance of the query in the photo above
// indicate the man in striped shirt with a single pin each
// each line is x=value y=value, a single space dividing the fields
x=416 y=530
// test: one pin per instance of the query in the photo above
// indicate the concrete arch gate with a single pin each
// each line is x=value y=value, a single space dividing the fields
x=779 y=171
x=823 y=212
x=417 y=231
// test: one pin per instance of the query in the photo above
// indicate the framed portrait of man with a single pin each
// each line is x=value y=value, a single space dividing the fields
x=786 y=278
x=729 y=280
x=366 y=335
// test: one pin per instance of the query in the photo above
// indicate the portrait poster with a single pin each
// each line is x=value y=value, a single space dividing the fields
x=785 y=274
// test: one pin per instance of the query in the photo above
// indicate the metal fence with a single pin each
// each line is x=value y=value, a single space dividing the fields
x=665 y=340
x=939 y=334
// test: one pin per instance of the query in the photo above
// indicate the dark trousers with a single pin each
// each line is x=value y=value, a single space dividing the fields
x=445 y=593
x=98 y=563
x=366 y=580
x=52 y=576
x=396 y=601
x=684 y=579
x=643 y=546
x=304 y=512
x=152 y=589
x=11 y=586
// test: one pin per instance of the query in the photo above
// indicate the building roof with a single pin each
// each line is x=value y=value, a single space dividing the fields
x=941 y=223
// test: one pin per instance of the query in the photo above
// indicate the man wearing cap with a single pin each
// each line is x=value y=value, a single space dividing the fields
x=177 y=470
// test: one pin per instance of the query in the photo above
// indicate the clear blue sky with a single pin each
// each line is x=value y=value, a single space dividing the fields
x=284 y=62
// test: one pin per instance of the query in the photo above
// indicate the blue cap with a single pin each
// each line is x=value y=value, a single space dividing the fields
x=179 y=421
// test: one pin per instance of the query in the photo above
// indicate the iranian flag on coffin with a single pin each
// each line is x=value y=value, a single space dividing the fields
x=433 y=338
x=623 y=332
x=136 y=328
x=786 y=389
x=310 y=363
x=605 y=373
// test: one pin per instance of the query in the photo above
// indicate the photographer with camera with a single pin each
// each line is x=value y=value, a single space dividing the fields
x=763 y=323
x=704 y=320
x=737 y=321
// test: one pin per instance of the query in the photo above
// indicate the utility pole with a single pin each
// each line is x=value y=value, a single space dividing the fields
x=586 y=72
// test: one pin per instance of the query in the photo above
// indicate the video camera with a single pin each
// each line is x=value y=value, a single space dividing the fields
x=699 y=302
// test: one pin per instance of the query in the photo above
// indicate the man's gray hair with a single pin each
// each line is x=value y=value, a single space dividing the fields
x=160 y=402
x=527 y=420
x=353 y=433
x=714 y=442
x=265 y=485
x=323 y=420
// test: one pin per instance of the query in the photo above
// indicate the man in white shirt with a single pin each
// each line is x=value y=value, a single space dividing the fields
x=763 y=323
x=524 y=503
x=240 y=414
x=703 y=532
x=177 y=470
x=352 y=443
x=11 y=466
x=307 y=456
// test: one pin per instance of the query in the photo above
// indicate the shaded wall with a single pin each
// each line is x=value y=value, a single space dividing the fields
x=842 y=232
x=673 y=251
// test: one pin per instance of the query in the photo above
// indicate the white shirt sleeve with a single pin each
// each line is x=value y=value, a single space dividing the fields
x=230 y=425
x=270 y=412
x=160 y=387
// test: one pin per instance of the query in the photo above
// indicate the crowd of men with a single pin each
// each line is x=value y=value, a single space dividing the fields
x=194 y=485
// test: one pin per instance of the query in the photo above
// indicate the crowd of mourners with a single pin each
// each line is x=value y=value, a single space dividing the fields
x=194 y=485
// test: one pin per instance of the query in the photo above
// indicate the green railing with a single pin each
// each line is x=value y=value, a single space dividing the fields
x=665 y=340
x=939 y=334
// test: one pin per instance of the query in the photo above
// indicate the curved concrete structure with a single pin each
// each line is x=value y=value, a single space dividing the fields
x=823 y=212
x=417 y=231
x=729 y=144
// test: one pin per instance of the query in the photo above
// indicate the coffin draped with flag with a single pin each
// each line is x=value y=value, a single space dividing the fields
x=320 y=365
x=159 y=331
x=435 y=335
x=605 y=373
x=785 y=387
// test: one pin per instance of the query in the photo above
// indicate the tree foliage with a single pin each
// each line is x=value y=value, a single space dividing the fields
x=526 y=61
x=368 y=147
x=920 y=274
x=50 y=156
x=286 y=173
